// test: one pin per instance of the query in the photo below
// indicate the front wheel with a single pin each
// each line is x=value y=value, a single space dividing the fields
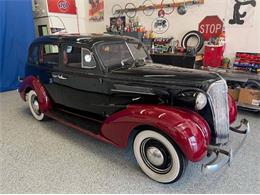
x=160 y=159
x=34 y=106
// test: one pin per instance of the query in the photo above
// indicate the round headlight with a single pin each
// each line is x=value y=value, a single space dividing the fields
x=201 y=101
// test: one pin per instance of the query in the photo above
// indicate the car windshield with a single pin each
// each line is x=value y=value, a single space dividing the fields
x=117 y=55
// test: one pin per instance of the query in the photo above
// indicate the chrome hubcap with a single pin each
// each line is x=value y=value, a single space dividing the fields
x=155 y=156
x=35 y=105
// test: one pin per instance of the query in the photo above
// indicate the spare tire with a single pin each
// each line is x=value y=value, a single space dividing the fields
x=193 y=34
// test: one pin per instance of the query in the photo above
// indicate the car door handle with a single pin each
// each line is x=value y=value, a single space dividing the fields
x=62 y=77
x=55 y=75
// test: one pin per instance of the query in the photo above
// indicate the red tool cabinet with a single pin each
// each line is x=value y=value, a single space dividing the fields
x=213 y=55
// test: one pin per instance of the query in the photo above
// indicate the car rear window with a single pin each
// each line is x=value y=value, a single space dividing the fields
x=34 y=55
x=49 y=54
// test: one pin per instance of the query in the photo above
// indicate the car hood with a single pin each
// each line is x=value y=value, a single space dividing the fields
x=165 y=74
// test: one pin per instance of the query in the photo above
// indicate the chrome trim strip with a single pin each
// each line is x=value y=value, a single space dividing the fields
x=136 y=92
x=130 y=50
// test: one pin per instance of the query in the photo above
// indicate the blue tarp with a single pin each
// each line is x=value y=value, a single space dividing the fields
x=16 y=34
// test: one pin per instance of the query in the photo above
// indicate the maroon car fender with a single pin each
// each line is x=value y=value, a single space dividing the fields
x=188 y=129
x=31 y=82
x=232 y=109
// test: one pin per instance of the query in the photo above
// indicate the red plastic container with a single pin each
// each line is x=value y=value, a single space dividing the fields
x=213 y=55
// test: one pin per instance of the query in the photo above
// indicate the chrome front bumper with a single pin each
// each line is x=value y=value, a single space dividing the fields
x=224 y=156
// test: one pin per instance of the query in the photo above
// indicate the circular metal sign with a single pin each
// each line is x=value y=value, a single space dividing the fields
x=160 y=25
x=63 y=5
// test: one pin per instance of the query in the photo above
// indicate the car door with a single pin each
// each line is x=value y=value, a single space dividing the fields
x=82 y=80
x=48 y=67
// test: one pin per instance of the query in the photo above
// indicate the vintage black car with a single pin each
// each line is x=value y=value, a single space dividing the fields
x=108 y=87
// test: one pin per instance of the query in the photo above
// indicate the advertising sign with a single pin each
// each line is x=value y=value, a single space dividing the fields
x=96 y=10
x=62 y=6
x=160 y=25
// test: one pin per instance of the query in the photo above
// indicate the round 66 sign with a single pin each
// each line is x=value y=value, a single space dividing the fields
x=211 y=26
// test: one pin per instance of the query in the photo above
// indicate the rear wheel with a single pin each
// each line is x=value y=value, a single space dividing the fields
x=160 y=159
x=34 y=106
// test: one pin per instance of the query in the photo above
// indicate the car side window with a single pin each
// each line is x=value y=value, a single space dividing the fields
x=34 y=55
x=88 y=60
x=72 y=56
x=49 y=54
x=77 y=57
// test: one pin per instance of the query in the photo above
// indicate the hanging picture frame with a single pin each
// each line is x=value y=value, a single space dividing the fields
x=96 y=10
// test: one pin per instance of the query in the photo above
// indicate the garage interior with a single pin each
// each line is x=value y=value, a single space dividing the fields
x=211 y=36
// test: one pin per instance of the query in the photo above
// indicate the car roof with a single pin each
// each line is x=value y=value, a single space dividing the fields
x=90 y=39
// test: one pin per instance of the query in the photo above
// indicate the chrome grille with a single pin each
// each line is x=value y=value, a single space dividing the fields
x=219 y=104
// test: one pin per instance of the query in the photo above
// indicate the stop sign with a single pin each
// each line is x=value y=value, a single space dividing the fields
x=211 y=26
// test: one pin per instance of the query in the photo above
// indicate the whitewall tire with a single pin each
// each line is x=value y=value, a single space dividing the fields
x=34 y=106
x=159 y=158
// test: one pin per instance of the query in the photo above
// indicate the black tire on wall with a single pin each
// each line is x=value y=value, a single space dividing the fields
x=193 y=34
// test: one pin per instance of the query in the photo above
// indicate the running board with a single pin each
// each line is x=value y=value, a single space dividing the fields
x=82 y=124
x=76 y=121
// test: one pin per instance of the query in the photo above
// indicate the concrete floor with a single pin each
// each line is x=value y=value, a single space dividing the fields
x=47 y=157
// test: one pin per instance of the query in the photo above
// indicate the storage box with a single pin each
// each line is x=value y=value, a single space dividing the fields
x=234 y=93
x=249 y=96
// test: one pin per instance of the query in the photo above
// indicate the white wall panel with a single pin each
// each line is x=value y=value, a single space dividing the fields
x=238 y=38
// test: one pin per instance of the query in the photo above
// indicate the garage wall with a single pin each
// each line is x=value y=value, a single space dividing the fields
x=238 y=39
x=72 y=23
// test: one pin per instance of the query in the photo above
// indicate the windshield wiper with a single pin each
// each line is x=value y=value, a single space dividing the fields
x=125 y=64
x=140 y=62
x=134 y=62
x=130 y=63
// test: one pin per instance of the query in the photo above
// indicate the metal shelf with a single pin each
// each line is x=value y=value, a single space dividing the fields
x=248 y=107
x=238 y=76
x=234 y=75
x=159 y=6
